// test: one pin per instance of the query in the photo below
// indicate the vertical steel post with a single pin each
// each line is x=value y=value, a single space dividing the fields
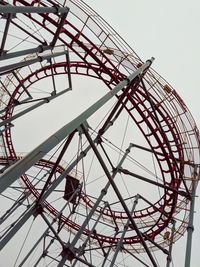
x=190 y=227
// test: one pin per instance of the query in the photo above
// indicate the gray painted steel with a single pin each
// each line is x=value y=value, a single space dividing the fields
x=20 y=167
x=9 y=9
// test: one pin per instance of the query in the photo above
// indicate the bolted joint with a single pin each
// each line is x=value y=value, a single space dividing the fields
x=56 y=9
x=136 y=201
x=39 y=209
x=190 y=228
x=83 y=154
x=67 y=252
x=44 y=254
x=169 y=258
x=104 y=191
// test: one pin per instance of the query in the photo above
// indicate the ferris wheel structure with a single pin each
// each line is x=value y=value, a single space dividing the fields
x=114 y=186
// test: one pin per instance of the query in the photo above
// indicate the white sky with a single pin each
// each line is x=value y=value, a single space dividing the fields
x=169 y=31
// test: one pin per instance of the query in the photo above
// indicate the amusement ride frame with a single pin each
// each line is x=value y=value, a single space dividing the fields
x=90 y=183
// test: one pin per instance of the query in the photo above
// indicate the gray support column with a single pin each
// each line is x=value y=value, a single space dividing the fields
x=81 y=250
x=190 y=227
x=120 y=197
x=126 y=226
x=84 y=224
x=20 y=167
x=9 y=9
x=10 y=68
x=38 y=49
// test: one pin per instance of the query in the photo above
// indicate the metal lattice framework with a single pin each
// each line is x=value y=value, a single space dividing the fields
x=93 y=189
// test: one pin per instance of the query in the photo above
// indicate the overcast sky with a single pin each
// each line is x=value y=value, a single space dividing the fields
x=169 y=31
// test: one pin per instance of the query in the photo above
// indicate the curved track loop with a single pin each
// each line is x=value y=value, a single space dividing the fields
x=154 y=106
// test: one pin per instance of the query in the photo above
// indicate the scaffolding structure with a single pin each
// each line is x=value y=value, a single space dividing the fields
x=116 y=184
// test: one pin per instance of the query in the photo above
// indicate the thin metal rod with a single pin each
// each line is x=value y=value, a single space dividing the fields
x=81 y=249
x=13 y=208
x=153 y=205
x=17 y=226
x=169 y=257
x=53 y=230
x=58 y=30
x=160 y=154
x=190 y=227
x=126 y=226
x=9 y=9
x=64 y=148
x=71 y=247
x=115 y=188
x=42 y=102
x=127 y=172
x=33 y=35
x=4 y=87
x=34 y=247
x=46 y=232
x=20 y=167
x=68 y=70
x=136 y=257
x=21 y=84
x=108 y=252
x=5 y=34
x=53 y=78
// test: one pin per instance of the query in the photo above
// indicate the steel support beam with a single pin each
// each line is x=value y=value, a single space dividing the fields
x=9 y=9
x=81 y=249
x=5 y=33
x=17 y=226
x=126 y=226
x=190 y=227
x=39 y=49
x=117 y=192
x=134 y=256
x=12 y=67
x=71 y=247
x=46 y=232
x=58 y=30
x=135 y=175
x=40 y=103
x=20 y=167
